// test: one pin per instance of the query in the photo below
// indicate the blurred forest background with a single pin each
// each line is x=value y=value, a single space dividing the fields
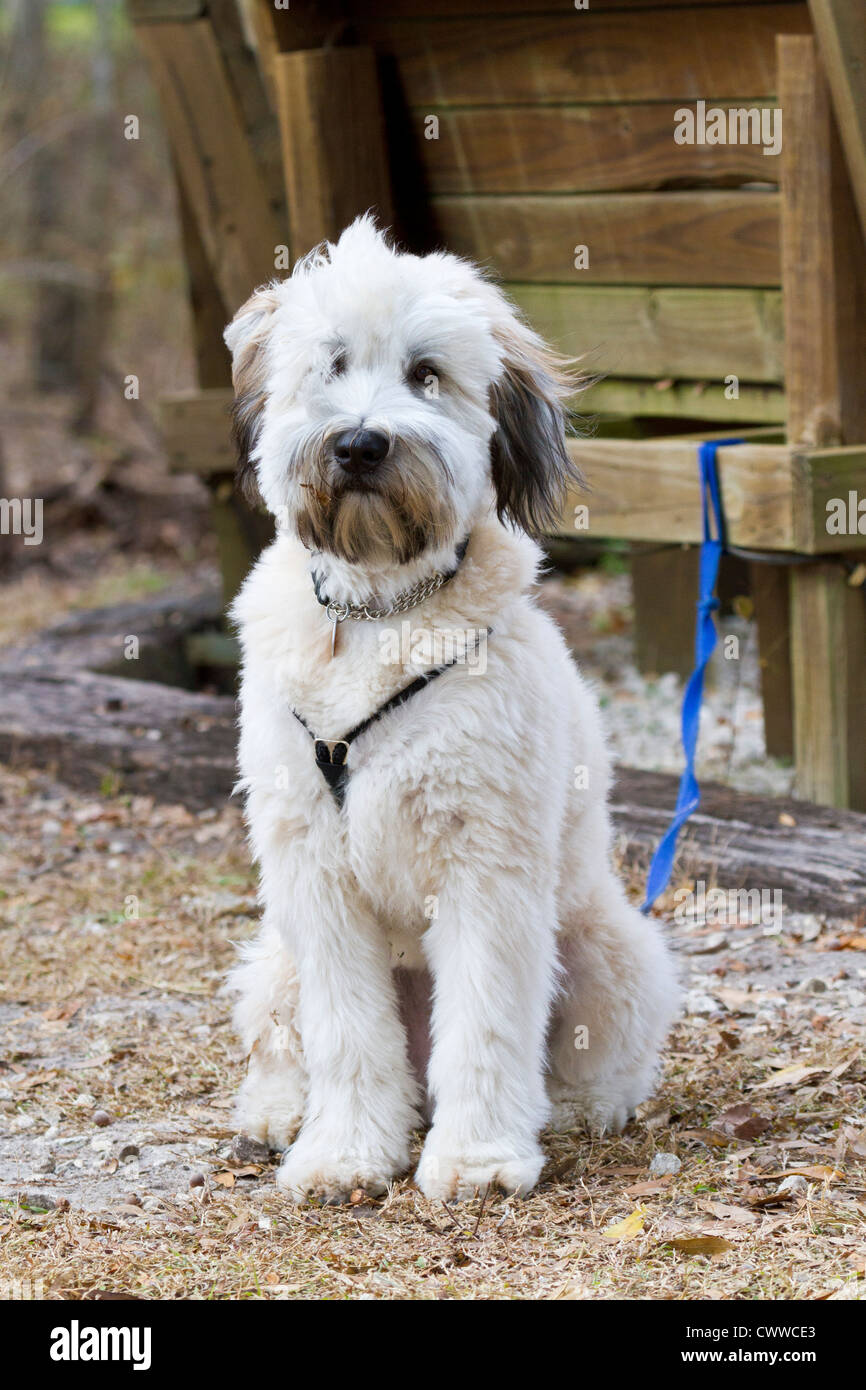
x=93 y=291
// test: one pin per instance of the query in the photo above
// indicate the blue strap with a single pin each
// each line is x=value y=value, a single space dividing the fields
x=689 y=797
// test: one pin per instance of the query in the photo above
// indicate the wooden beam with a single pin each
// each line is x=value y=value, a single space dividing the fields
x=829 y=488
x=221 y=179
x=840 y=29
x=693 y=238
x=334 y=151
x=824 y=296
x=648 y=490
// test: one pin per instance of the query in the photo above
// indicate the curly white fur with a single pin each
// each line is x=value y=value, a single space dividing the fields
x=474 y=843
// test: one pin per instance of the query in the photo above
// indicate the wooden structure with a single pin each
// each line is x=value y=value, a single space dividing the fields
x=717 y=287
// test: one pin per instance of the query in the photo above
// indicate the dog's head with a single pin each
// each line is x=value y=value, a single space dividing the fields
x=383 y=401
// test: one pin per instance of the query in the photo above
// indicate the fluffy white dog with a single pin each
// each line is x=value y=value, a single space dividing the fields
x=443 y=935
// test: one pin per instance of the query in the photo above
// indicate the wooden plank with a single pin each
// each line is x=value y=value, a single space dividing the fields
x=648 y=490
x=628 y=331
x=770 y=594
x=840 y=29
x=334 y=153
x=574 y=149
x=221 y=179
x=586 y=56
x=700 y=238
x=825 y=346
x=274 y=31
x=693 y=400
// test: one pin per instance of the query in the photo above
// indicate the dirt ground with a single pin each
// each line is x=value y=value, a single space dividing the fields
x=120 y=1171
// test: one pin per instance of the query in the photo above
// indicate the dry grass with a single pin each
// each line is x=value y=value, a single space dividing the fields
x=104 y=1010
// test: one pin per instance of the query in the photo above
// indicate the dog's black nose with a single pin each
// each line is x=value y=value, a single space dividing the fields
x=360 y=451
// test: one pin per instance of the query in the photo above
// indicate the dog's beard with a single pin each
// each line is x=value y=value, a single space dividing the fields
x=394 y=514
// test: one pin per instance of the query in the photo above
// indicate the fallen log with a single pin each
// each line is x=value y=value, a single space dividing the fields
x=142 y=737
x=815 y=855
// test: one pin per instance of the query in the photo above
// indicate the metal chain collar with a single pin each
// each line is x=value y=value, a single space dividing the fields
x=406 y=599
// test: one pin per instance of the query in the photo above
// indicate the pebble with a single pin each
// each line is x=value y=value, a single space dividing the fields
x=663 y=1164
x=794 y=1183
x=246 y=1150
x=101 y=1118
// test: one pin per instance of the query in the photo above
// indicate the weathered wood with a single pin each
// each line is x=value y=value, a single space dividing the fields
x=574 y=149
x=629 y=331
x=769 y=586
x=258 y=115
x=417 y=9
x=141 y=737
x=840 y=29
x=696 y=400
x=695 y=238
x=830 y=485
x=817 y=858
x=828 y=658
x=334 y=152
x=664 y=594
x=824 y=295
x=156 y=11
x=196 y=431
x=585 y=56
x=824 y=263
x=209 y=142
x=648 y=490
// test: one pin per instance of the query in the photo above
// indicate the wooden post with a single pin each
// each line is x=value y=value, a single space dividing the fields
x=840 y=28
x=333 y=138
x=664 y=595
x=824 y=297
x=769 y=585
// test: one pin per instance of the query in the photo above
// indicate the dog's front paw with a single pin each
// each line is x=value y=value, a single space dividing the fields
x=329 y=1166
x=270 y=1106
x=449 y=1169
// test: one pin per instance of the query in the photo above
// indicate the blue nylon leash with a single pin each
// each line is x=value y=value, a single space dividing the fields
x=689 y=796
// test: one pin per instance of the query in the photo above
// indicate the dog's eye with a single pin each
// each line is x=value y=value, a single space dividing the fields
x=423 y=372
x=339 y=363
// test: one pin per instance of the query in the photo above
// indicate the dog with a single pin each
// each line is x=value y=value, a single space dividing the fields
x=443 y=937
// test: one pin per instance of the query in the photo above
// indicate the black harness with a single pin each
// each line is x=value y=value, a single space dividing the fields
x=331 y=756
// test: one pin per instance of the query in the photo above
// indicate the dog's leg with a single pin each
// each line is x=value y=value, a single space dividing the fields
x=270 y=1103
x=620 y=994
x=361 y=1100
x=493 y=957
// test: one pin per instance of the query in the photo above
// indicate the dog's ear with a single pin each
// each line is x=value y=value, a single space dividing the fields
x=245 y=339
x=531 y=467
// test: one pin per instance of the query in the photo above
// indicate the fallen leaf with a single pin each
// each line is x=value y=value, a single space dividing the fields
x=741 y=1122
x=629 y=1228
x=789 y=1076
x=699 y=1245
x=740 y=1216
x=225 y=1178
x=647 y=1189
